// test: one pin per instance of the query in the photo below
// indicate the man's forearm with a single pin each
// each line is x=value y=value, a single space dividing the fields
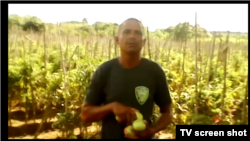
x=95 y=113
x=161 y=124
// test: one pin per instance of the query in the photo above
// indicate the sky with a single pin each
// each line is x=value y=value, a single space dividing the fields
x=212 y=17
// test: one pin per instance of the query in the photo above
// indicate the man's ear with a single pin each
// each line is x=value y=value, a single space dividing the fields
x=116 y=39
x=144 y=42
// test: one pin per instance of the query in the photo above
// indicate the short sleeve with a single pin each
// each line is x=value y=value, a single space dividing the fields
x=95 y=93
x=162 y=96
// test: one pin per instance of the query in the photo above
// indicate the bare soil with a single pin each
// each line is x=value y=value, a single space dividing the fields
x=20 y=130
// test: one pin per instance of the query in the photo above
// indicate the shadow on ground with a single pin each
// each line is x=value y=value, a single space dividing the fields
x=21 y=115
x=28 y=129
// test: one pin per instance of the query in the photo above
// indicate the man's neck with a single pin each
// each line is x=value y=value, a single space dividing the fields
x=129 y=61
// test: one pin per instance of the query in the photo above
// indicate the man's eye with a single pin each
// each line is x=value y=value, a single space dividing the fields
x=138 y=33
x=126 y=31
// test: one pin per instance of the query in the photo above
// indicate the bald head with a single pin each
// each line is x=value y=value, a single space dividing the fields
x=127 y=20
x=130 y=36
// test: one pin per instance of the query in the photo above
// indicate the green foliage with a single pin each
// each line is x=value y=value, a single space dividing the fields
x=27 y=23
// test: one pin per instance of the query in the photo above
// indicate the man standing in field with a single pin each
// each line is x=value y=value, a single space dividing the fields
x=125 y=84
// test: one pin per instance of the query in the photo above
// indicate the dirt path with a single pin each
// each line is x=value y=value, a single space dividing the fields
x=53 y=134
x=15 y=131
x=18 y=129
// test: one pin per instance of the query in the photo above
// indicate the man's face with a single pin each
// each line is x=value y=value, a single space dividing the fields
x=130 y=38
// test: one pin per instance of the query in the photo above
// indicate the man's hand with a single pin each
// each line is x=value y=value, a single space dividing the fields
x=124 y=113
x=145 y=134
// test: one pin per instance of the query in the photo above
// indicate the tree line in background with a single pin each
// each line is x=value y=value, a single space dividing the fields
x=181 y=31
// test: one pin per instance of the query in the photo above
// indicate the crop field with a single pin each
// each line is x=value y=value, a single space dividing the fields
x=51 y=65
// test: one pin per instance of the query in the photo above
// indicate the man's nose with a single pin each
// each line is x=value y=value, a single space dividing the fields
x=132 y=35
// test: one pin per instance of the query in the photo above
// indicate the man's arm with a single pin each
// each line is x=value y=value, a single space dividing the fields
x=92 y=110
x=164 y=120
x=92 y=113
x=163 y=100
